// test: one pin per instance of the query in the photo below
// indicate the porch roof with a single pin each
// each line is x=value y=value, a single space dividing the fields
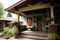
x=23 y=3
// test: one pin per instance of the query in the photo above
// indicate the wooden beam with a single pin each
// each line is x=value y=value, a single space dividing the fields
x=34 y=15
x=34 y=7
x=22 y=14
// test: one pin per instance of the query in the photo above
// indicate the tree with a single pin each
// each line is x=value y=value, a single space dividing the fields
x=2 y=11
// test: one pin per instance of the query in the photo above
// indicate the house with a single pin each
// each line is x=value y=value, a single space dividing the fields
x=5 y=21
x=39 y=11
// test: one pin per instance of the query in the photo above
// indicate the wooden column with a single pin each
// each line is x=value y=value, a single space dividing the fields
x=18 y=13
x=18 y=18
x=4 y=24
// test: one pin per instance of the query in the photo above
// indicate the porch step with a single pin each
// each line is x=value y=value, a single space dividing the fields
x=33 y=35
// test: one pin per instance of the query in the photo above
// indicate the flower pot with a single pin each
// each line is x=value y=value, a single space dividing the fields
x=52 y=39
x=15 y=35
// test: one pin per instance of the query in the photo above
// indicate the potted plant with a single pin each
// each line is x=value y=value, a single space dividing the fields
x=53 y=36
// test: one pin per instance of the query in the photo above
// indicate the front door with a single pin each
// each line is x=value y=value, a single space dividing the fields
x=39 y=25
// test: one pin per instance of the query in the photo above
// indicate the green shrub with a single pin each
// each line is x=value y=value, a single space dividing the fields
x=7 y=32
x=53 y=35
x=14 y=31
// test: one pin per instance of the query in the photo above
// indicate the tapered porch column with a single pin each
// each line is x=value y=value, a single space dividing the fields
x=52 y=26
x=52 y=14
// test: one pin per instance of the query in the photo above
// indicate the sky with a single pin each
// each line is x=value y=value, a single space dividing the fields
x=8 y=3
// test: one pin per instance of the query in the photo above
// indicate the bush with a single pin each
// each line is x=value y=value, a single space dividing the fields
x=14 y=31
x=7 y=32
x=53 y=35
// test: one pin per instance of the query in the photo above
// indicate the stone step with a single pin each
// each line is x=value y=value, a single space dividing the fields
x=32 y=33
x=42 y=35
x=33 y=37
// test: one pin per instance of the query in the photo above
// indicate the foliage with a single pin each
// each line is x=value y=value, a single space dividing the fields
x=7 y=32
x=53 y=35
x=2 y=11
x=14 y=31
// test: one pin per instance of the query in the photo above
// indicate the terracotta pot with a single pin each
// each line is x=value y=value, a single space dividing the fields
x=52 y=39
x=15 y=35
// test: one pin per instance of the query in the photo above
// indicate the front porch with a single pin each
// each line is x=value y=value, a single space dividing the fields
x=39 y=14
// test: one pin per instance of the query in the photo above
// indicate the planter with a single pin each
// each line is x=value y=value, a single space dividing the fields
x=52 y=39
x=53 y=36
x=15 y=35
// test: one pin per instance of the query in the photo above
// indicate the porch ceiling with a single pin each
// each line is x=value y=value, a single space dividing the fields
x=39 y=11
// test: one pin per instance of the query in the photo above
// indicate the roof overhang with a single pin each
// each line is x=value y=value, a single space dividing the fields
x=6 y=19
x=11 y=8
